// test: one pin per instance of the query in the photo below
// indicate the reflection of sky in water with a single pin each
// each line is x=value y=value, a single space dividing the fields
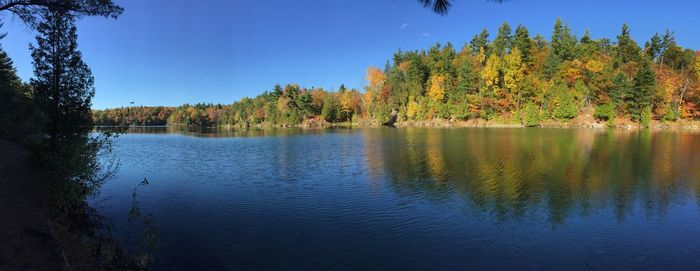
x=416 y=198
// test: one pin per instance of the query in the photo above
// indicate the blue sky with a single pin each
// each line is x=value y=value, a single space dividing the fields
x=170 y=52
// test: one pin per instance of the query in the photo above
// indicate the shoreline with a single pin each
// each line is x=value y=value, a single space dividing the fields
x=443 y=123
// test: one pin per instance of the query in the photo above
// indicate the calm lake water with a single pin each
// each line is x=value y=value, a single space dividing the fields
x=414 y=199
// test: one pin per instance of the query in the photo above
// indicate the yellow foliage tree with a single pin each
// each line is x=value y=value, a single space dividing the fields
x=436 y=92
x=413 y=108
x=514 y=70
x=594 y=66
x=482 y=55
x=346 y=103
x=367 y=102
x=282 y=104
x=697 y=64
x=490 y=73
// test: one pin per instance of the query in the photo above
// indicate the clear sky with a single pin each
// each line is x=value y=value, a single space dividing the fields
x=170 y=52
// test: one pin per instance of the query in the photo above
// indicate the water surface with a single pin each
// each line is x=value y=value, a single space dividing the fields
x=414 y=199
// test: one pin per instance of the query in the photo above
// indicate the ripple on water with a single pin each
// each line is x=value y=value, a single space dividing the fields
x=441 y=199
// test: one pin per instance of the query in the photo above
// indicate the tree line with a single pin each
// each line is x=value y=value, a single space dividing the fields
x=513 y=78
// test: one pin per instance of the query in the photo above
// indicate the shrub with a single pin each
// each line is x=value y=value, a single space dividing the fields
x=566 y=108
x=532 y=116
x=605 y=112
x=646 y=116
x=461 y=111
x=443 y=110
x=672 y=113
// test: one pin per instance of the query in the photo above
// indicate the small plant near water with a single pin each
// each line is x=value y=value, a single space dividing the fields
x=605 y=112
x=532 y=116
x=646 y=117
x=147 y=238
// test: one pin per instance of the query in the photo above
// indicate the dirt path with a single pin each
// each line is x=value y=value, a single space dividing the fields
x=25 y=237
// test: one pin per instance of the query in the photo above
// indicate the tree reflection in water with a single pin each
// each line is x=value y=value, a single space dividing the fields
x=542 y=173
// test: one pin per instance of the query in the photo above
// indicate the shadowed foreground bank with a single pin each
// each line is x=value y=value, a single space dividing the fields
x=29 y=239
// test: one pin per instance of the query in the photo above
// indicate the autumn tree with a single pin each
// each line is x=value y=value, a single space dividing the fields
x=516 y=77
x=513 y=72
x=436 y=92
x=375 y=78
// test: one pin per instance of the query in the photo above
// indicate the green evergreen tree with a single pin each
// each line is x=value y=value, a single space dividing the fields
x=586 y=46
x=503 y=41
x=523 y=42
x=622 y=86
x=640 y=97
x=63 y=83
x=9 y=82
x=480 y=41
x=277 y=91
x=652 y=48
x=467 y=79
x=63 y=89
x=627 y=49
x=667 y=41
x=11 y=98
x=563 y=43
x=551 y=65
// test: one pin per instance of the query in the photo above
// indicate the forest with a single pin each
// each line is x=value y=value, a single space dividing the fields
x=514 y=78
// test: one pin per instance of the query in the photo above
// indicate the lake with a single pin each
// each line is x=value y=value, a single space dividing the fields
x=413 y=198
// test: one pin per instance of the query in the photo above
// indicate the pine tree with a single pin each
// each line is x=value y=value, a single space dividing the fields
x=640 y=98
x=622 y=86
x=667 y=41
x=277 y=91
x=563 y=43
x=551 y=65
x=652 y=48
x=10 y=88
x=64 y=84
x=467 y=79
x=627 y=49
x=503 y=40
x=63 y=89
x=9 y=82
x=480 y=41
x=523 y=42
x=587 y=46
